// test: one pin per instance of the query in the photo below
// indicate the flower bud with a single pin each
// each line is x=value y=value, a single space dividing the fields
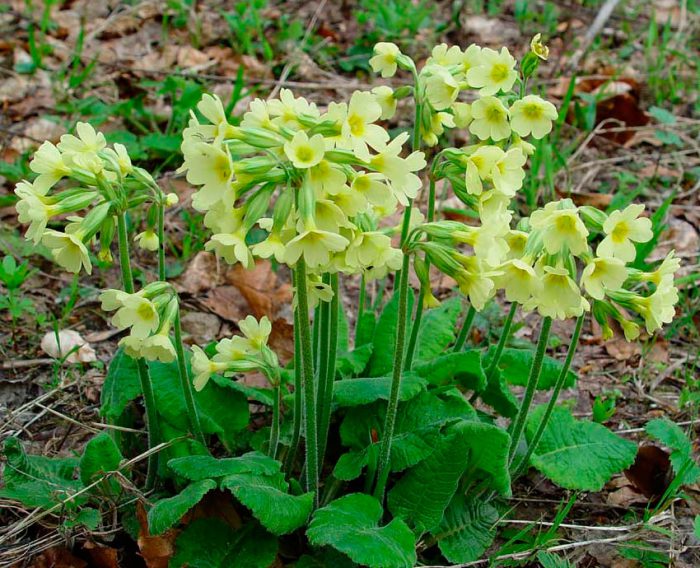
x=538 y=48
x=171 y=199
x=148 y=240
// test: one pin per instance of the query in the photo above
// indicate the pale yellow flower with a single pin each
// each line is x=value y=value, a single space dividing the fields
x=622 y=230
x=256 y=332
x=398 y=170
x=271 y=246
x=209 y=166
x=475 y=282
x=48 y=162
x=495 y=72
x=287 y=109
x=665 y=271
x=531 y=114
x=358 y=131
x=519 y=281
x=372 y=250
x=462 y=114
x=384 y=59
x=231 y=247
x=601 y=274
x=562 y=228
x=121 y=156
x=68 y=250
x=158 y=347
x=148 y=240
x=371 y=187
x=203 y=368
x=470 y=58
x=138 y=313
x=508 y=173
x=385 y=97
x=316 y=246
x=88 y=141
x=441 y=88
x=489 y=119
x=479 y=167
x=559 y=297
x=325 y=177
x=305 y=152
x=445 y=56
x=34 y=208
x=659 y=308
x=538 y=48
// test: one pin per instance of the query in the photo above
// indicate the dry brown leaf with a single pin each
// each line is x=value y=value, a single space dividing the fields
x=622 y=350
x=188 y=57
x=201 y=275
x=261 y=288
x=227 y=303
x=155 y=550
x=282 y=340
x=58 y=557
x=598 y=200
x=201 y=326
x=101 y=556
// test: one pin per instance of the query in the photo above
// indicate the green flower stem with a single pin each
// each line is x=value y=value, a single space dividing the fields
x=298 y=402
x=329 y=377
x=161 y=238
x=362 y=300
x=186 y=382
x=464 y=331
x=561 y=379
x=390 y=421
x=502 y=341
x=275 y=427
x=383 y=466
x=307 y=376
x=323 y=325
x=533 y=379
x=149 y=401
x=423 y=292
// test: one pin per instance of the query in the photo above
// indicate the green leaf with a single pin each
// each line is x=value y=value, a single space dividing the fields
x=211 y=543
x=350 y=465
x=672 y=436
x=100 y=456
x=353 y=363
x=355 y=392
x=384 y=338
x=498 y=396
x=266 y=496
x=551 y=560
x=423 y=494
x=121 y=385
x=222 y=409
x=662 y=115
x=364 y=329
x=515 y=367
x=463 y=367
x=696 y=526
x=166 y=144
x=467 y=529
x=351 y=525
x=578 y=454
x=437 y=329
x=196 y=468
x=39 y=481
x=167 y=512
x=87 y=516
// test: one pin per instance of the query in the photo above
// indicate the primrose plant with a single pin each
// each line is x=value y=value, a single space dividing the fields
x=385 y=426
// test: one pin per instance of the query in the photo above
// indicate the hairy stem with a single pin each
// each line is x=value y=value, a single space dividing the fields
x=561 y=379
x=329 y=378
x=505 y=333
x=149 y=401
x=464 y=331
x=275 y=427
x=161 y=239
x=389 y=422
x=533 y=379
x=186 y=382
x=298 y=402
x=307 y=375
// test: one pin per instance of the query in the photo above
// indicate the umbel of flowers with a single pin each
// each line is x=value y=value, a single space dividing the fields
x=323 y=185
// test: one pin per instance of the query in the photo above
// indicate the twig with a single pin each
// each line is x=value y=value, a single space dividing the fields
x=604 y=14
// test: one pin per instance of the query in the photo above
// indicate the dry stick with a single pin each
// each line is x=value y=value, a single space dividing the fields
x=604 y=14
x=40 y=513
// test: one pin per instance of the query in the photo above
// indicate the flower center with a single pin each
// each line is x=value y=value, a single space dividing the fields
x=357 y=125
x=304 y=153
x=494 y=114
x=532 y=111
x=620 y=232
x=499 y=72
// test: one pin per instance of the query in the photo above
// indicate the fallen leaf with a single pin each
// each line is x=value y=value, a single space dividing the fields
x=101 y=556
x=201 y=275
x=621 y=349
x=261 y=288
x=58 y=557
x=57 y=345
x=203 y=327
x=227 y=303
x=651 y=471
x=597 y=200
x=155 y=550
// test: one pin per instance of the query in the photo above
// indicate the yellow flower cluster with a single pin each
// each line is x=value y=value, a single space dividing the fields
x=100 y=173
x=237 y=354
x=149 y=315
x=317 y=182
x=450 y=71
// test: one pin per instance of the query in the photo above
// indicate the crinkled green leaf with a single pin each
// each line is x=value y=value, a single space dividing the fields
x=364 y=329
x=350 y=465
x=425 y=491
x=195 y=468
x=121 y=385
x=211 y=543
x=100 y=456
x=462 y=367
x=167 y=512
x=355 y=392
x=577 y=454
x=353 y=363
x=351 y=525
x=672 y=435
x=384 y=338
x=498 y=396
x=467 y=529
x=87 y=517
x=266 y=496
x=437 y=329
x=515 y=367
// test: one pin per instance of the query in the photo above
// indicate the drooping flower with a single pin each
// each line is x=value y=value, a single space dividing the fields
x=559 y=297
x=562 y=228
x=601 y=274
x=384 y=59
x=316 y=246
x=508 y=172
x=48 y=162
x=68 y=250
x=148 y=240
x=519 y=280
